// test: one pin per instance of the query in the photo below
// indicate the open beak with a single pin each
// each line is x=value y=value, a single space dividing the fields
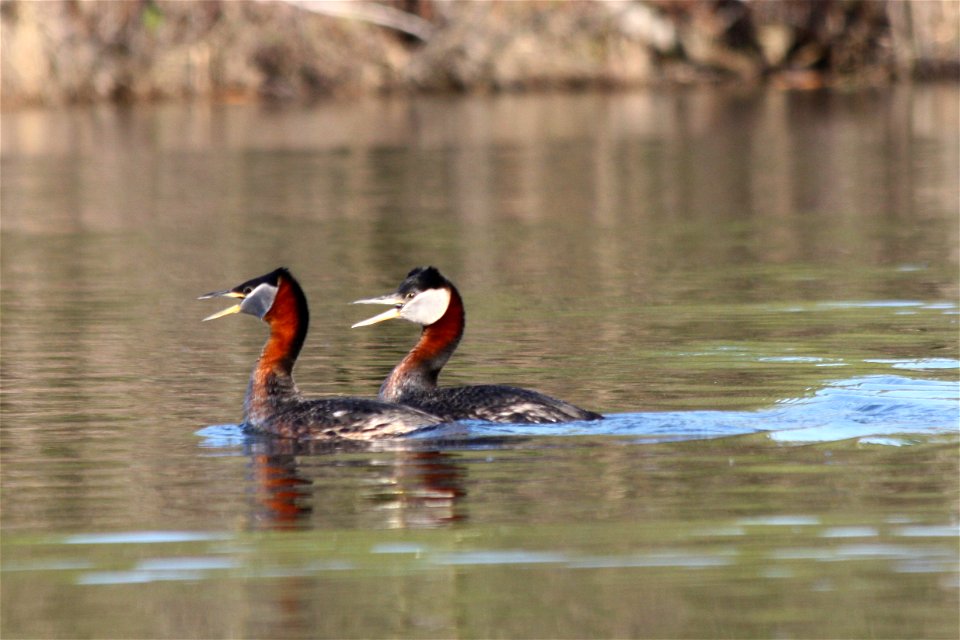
x=223 y=294
x=391 y=298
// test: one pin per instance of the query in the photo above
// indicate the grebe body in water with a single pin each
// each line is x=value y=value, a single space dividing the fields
x=427 y=298
x=273 y=404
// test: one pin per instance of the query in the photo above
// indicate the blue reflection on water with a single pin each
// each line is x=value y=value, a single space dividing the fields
x=143 y=537
x=872 y=408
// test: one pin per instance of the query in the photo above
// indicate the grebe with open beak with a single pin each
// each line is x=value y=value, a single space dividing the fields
x=427 y=298
x=273 y=404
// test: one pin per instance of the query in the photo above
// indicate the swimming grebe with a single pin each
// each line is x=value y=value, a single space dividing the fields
x=273 y=403
x=427 y=298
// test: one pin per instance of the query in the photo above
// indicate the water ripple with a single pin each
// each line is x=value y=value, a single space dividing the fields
x=872 y=408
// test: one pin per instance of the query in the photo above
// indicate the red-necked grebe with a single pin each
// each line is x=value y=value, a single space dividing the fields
x=273 y=403
x=427 y=298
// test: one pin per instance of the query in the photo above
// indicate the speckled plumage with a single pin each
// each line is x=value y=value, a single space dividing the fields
x=274 y=406
x=493 y=403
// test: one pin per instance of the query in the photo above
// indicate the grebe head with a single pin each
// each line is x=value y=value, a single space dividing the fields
x=422 y=298
x=256 y=296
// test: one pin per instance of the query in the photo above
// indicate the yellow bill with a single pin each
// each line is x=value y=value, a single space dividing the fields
x=386 y=315
x=223 y=294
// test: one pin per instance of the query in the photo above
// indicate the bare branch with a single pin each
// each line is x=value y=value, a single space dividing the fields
x=372 y=12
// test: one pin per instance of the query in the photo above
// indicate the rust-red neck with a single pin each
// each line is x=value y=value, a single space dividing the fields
x=420 y=368
x=271 y=384
x=288 y=319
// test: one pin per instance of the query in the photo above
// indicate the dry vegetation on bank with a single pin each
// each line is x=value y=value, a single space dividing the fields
x=66 y=51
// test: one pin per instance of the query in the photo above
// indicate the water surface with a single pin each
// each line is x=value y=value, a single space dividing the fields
x=758 y=289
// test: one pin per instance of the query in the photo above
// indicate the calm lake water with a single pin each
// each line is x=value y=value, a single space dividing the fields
x=759 y=289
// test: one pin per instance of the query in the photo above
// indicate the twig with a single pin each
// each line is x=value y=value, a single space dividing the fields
x=371 y=12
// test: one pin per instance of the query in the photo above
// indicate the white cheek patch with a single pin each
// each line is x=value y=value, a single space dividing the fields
x=427 y=307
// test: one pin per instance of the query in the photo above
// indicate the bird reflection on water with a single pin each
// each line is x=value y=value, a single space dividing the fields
x=409 y=486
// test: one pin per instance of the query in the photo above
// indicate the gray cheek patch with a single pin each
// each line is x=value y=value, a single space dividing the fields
x=259 y=301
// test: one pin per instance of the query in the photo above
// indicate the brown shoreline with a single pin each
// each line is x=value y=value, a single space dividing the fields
x=66 y=52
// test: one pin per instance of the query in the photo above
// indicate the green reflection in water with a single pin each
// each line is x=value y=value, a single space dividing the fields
x=697 y=250
x=680 y=539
